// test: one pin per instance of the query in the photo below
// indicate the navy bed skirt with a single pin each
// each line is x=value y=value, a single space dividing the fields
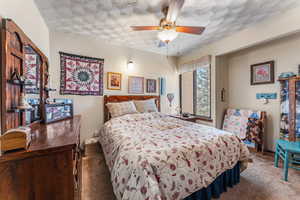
x=229 y=178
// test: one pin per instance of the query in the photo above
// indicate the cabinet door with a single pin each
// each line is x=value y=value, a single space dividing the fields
x=297 y=110
x=47 y=177
x=15 y=181
x=294 y=109
x=284 y=109
x=54 y=180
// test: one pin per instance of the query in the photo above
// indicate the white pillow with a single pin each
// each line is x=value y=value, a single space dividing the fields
x=146 y=106
x=122 y=108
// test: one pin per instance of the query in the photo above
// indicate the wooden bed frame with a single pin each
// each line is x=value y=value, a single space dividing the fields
x=121 y=98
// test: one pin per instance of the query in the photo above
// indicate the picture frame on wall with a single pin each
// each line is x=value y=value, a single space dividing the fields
x=151 y=85
x=135 y=85
x=262 y=73
x=114 y=81
x=81 y=75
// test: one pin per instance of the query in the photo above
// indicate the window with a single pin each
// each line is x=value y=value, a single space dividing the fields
x=201 y=92
x=195 y=91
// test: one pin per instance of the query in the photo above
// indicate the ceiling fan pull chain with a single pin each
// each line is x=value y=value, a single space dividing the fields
x=167 y=50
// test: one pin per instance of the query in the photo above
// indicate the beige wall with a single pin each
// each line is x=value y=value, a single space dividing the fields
x=27 y=16
x=187 y=92
x=221 y=82
x=148 y=65
x=277 y=27
x=285 y=53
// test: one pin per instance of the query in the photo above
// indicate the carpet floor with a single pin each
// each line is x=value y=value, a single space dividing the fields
x=260 y=181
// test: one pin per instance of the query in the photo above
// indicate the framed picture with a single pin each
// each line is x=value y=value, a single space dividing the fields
x=151 y=85
x=262 y=73
x=135 y=85
x=114 y=81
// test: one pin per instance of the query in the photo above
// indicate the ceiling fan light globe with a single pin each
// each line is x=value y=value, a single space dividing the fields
x=167 y=35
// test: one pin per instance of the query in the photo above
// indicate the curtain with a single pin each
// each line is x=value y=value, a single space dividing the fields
x=193 y=65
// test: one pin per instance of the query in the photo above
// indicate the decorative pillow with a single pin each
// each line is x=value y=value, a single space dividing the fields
x=122 y=108
x=146 y=106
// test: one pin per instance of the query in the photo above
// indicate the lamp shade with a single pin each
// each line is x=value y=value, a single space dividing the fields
x=130 y=65
x=167 y=35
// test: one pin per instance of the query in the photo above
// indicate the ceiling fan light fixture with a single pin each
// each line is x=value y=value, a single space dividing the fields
x=167 y=35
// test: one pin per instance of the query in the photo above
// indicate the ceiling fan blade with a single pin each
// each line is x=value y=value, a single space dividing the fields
x=145 y=28
x=174 y=9
x=190 y=29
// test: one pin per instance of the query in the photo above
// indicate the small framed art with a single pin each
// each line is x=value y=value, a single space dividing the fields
x=114 y=81
x=150 y=85
x=135 y=85
x=262 y=73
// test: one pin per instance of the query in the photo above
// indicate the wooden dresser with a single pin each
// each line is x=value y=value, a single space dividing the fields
x=49 y=169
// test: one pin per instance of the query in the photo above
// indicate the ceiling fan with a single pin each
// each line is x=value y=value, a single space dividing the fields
x=168 y=30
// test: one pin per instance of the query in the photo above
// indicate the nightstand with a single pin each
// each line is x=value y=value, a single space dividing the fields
x=91 y=146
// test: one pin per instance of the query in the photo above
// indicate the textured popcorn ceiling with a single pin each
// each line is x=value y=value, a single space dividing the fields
x=111 y=19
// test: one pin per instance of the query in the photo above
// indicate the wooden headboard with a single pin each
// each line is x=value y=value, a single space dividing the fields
x=118 y=98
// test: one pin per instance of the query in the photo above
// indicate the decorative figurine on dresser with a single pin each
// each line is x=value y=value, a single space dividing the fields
x=288 y=146
x=36 y=158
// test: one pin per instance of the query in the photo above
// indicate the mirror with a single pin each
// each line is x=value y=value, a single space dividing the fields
x=32 y=74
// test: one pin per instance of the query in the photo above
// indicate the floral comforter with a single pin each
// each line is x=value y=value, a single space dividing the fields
x=152 y=156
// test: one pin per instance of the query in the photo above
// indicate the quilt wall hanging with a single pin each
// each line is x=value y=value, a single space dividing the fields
x=81 y=75
x=31 y=72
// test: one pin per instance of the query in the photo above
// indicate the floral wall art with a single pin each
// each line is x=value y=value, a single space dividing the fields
x=81 y=75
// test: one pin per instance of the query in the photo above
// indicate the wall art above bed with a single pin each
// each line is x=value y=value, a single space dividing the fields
x=114 y=81
x=81 y=75
x=151 y=85
x=135 y=85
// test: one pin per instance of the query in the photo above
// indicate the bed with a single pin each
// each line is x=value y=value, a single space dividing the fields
x=153 y=156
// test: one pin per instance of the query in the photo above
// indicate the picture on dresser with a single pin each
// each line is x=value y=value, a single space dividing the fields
x=135 y=85
x=81 y=75
x=262 y=73
x=151 y=85
x=114 y=81
x=58 y=111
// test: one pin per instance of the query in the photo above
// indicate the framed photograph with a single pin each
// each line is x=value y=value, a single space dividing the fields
x=151 y=85
x=135 y=85
x=262 y=73
x=114 y=81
